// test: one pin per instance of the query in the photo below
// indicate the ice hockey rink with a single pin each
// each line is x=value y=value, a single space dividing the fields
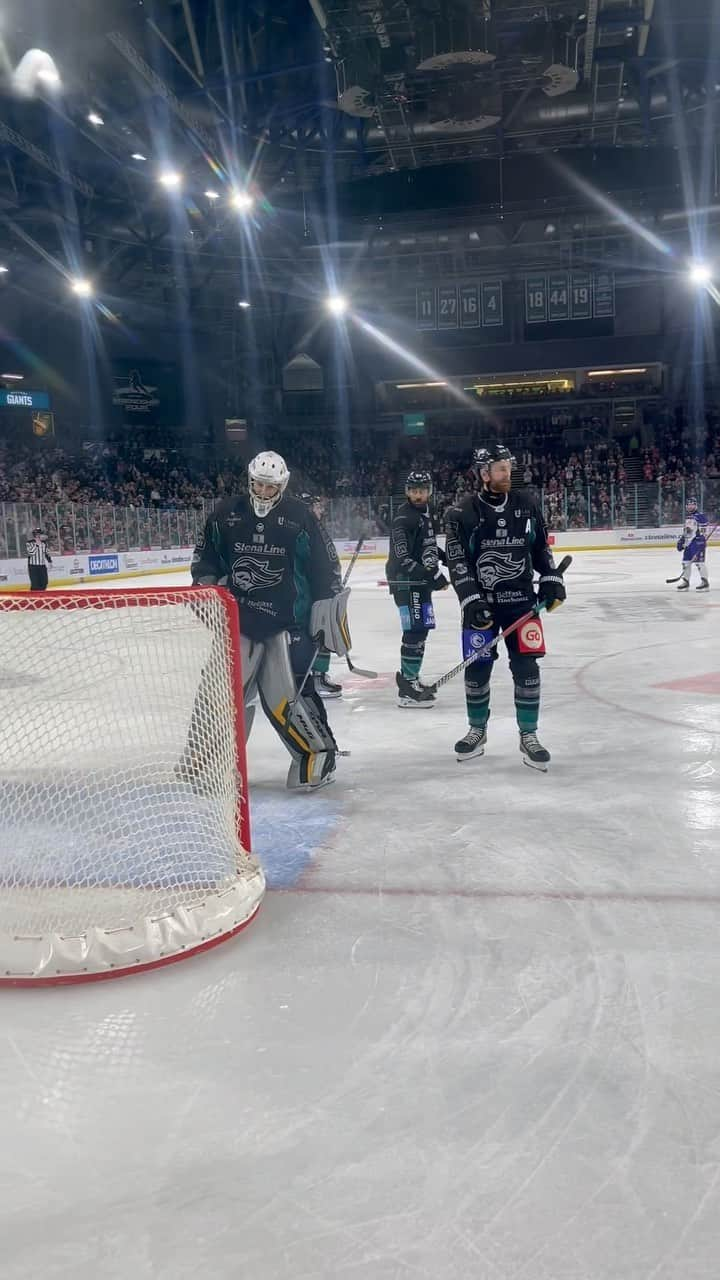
x=474 y=1032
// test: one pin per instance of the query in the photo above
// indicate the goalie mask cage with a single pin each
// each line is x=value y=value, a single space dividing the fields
x=124 y=823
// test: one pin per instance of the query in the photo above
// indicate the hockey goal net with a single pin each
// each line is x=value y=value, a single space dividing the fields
x=124 y=825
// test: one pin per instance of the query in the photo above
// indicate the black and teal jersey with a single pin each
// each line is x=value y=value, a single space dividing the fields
x=495 y=545
x=413 y=558
x=276 y=566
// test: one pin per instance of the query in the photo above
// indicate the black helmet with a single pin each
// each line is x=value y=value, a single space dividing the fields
x=492 y=453
x=419 y=480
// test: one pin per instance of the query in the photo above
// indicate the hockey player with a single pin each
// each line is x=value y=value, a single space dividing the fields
x=283 y=569
x=413 y=573
x=496 y=541
x=693 y=544
x=324 y=686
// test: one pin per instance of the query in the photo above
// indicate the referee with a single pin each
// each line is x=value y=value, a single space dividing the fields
x=38 y=558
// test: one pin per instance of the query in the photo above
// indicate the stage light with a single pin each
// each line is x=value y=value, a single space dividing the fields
x=137 y=155
x=49 y=76
x=212 y=195
x=95 y=119
x=699 y=273
x=242 y=201
x=4 y=271
x=13 y=377
x=336 y=304
x=244 y=304
x=170 y=179
x=83 y=288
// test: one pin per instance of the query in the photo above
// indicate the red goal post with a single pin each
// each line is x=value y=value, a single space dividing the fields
x=124 y=817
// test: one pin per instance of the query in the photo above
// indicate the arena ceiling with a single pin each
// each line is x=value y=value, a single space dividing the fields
x=325 y=110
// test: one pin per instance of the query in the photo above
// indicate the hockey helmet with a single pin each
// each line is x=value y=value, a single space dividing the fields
x=485 y=456
x=419 y=480
x=267 y=468
x=691 y=506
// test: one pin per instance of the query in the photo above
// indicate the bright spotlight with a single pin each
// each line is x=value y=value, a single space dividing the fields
x=244 y=304
x=336 y=304
x=212 y=195
x=95 y=119
x=170 y=178
x=138 y=155
x=50 y=76
x=242 y=201
x=83 y=288
x=699 y=273
x=4 y=271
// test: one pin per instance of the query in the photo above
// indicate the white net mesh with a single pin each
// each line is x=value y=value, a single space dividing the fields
x=121 y=801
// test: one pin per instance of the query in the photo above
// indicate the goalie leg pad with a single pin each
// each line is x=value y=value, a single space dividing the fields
x=251 y=656
x=298 y=719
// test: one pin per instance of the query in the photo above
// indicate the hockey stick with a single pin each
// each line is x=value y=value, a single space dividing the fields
x=501 y=635
x=353 y=560
x=360 y=671
x=357 y=671
x=695 y=558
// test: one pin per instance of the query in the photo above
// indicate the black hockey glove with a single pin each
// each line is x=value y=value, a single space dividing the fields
x=477 y=616
x=551 y=591
x=439 y=582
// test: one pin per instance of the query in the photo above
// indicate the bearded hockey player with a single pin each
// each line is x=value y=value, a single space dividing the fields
x=324 y=686
x=496 y=542
x=281 y=566
x=413 y=573
x=693 y=544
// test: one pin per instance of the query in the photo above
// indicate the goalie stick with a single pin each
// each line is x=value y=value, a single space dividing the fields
x=695 y=558
x=502 y=635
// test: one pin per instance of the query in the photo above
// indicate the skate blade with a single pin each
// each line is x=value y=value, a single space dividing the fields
x=469 y=755
x=415 y=706
x=329 y=697
x=541 y=766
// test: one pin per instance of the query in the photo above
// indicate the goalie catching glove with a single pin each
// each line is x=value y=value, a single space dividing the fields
x=330 y=618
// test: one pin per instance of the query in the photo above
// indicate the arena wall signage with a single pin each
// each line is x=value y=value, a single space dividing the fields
x=14 y=399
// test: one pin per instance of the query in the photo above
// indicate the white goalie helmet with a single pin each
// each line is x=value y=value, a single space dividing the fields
x=267 y=468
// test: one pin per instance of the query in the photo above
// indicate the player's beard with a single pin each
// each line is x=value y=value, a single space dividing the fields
x=499 y=487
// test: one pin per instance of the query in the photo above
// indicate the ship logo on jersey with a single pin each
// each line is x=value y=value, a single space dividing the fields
x=250 y=574
x=498 y=566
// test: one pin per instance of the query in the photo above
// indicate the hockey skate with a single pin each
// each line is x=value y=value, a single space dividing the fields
x=533 y=752
x=703 y=586
x=411 y=693
x=471 y=746
x=325 y=688
x=684 y=586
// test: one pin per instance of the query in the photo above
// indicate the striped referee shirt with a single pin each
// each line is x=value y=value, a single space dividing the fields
x=37 y=552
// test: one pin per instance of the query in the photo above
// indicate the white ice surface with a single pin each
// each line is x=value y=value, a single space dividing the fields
x=476 y=1036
